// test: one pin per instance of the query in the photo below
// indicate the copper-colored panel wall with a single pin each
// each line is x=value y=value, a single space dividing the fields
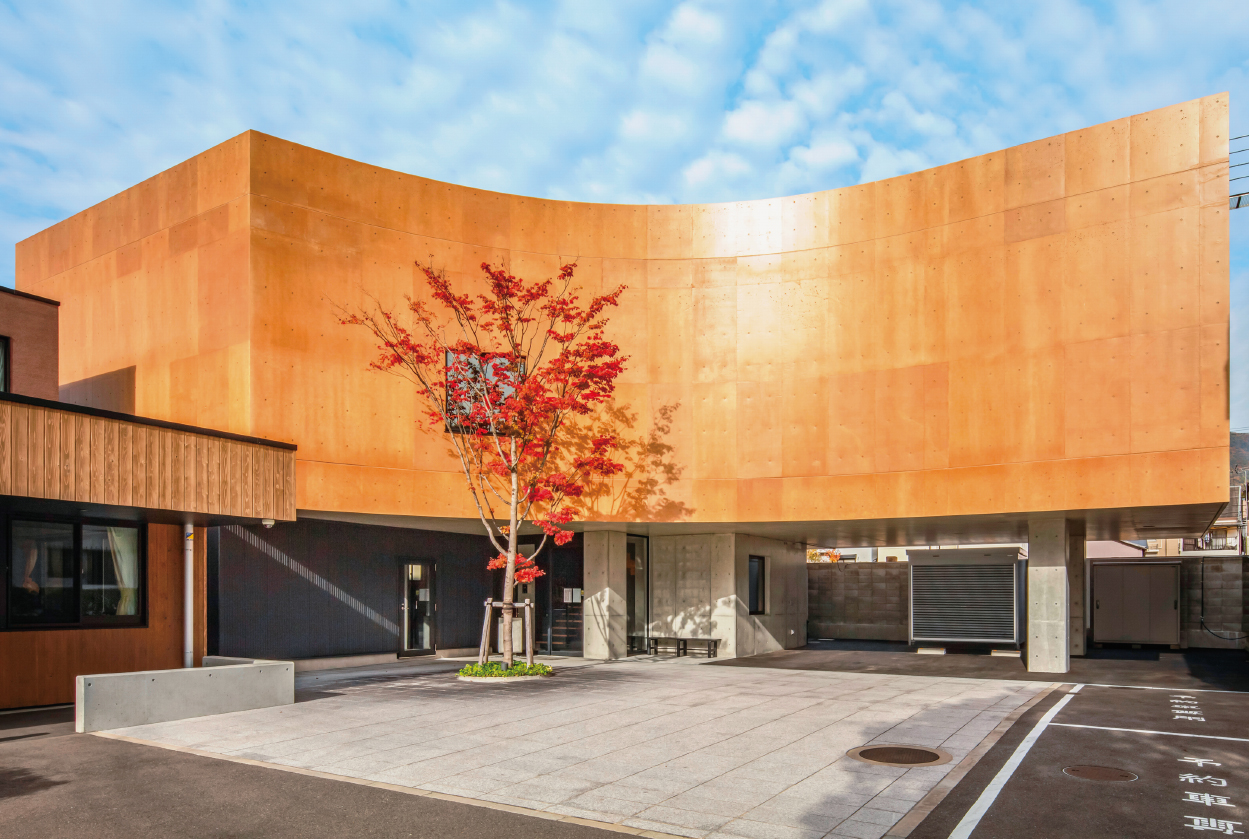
x=69 y=456
x=1035 y=329
x=40 y=665
x=159 y=280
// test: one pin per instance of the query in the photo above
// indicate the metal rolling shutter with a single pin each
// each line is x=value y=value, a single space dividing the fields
x=963 y=603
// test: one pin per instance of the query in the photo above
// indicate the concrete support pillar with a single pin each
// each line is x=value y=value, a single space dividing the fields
x=1049 y=599
x=605 y=622
x=1076 y=586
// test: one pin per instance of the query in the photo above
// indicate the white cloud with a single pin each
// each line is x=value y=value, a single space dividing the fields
x=716 y=167
x=764 y=123
x=825 y=155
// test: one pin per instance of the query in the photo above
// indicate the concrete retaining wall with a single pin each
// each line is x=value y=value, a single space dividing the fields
x=222 y=685
x=868 y=601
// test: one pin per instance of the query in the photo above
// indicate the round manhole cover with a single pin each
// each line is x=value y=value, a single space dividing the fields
x=1099 y=773
x=887 y=755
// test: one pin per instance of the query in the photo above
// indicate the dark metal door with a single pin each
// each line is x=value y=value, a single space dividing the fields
x=418 y=608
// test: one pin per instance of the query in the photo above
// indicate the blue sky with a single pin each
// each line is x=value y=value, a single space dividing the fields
x=631 y=101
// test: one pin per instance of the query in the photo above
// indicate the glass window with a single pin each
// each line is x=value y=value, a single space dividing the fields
x=757 y=579
x=110 y=571
x=66 y=573
x=637 y=601
x=41 y=578
x=475 y=388
x=4 y=364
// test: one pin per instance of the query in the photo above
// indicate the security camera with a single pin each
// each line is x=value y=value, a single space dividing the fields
x=268 y=523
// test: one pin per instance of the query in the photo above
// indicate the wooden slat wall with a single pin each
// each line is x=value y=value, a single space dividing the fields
x=49 y=453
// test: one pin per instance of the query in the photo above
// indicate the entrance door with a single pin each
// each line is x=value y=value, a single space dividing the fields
x=563 y=619
x=418 y=608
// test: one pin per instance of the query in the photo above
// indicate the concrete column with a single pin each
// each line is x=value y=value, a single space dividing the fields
x=1048 y=596
x=1075 y=585
x=604 y=622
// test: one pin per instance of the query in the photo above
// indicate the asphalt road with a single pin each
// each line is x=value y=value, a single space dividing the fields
x=54 y=783
x=1169 y=746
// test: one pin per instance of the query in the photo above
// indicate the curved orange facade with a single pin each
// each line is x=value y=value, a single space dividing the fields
x=1043 y=328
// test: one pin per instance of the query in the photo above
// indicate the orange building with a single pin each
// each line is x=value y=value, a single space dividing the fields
x=1030 y=345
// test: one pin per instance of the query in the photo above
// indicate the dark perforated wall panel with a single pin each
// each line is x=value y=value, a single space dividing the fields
x=312 y=588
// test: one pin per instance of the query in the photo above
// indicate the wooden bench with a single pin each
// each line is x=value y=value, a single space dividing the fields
x=712 y=645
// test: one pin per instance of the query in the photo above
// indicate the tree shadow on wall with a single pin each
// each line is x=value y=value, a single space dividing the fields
x=641 y=491
x=692 y=622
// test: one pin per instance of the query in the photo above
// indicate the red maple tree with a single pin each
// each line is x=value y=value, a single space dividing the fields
x=507 y=375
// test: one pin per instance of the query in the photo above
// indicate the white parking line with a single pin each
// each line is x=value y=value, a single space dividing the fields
x=986 y=799
x=1173 y=690
x=1147 y=731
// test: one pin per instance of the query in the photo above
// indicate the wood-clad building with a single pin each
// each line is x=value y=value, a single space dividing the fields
x=62 y=452
x=1039 y=333
x=93 y=507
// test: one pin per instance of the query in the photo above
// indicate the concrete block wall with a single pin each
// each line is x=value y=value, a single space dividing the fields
x=1225 y=581
x=699 y=589
x=693 y=590
x=864 y=601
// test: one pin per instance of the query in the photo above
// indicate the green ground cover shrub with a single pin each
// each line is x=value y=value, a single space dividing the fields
x=494 y=669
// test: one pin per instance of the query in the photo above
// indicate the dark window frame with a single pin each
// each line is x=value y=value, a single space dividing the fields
x=761 y=606
x=6 y=369
x=137 y=621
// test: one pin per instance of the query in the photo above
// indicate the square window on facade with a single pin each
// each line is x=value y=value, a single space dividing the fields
x=757 y=579
x=475 y=387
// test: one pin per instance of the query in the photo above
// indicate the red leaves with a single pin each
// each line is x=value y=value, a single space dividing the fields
x=528 y=574
x=527 y=569
x=526 y=357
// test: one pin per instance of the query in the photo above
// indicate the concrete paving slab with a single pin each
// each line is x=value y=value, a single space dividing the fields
x=55 y=784
x=629 y=742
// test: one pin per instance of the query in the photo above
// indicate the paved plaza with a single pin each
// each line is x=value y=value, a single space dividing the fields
x=648 y=746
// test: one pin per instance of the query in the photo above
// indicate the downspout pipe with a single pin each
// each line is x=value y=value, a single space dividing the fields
x=188 y=595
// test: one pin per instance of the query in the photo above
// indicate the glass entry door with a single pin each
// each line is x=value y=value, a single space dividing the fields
x=418 y=608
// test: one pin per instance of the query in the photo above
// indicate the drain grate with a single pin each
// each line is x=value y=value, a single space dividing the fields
x=888 y=755
x=1099 y=773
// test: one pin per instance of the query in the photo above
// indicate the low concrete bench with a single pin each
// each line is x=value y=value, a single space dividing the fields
x=712 y=645
x=222 y=685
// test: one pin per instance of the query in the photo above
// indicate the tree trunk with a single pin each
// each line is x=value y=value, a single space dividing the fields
x=509 y=578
